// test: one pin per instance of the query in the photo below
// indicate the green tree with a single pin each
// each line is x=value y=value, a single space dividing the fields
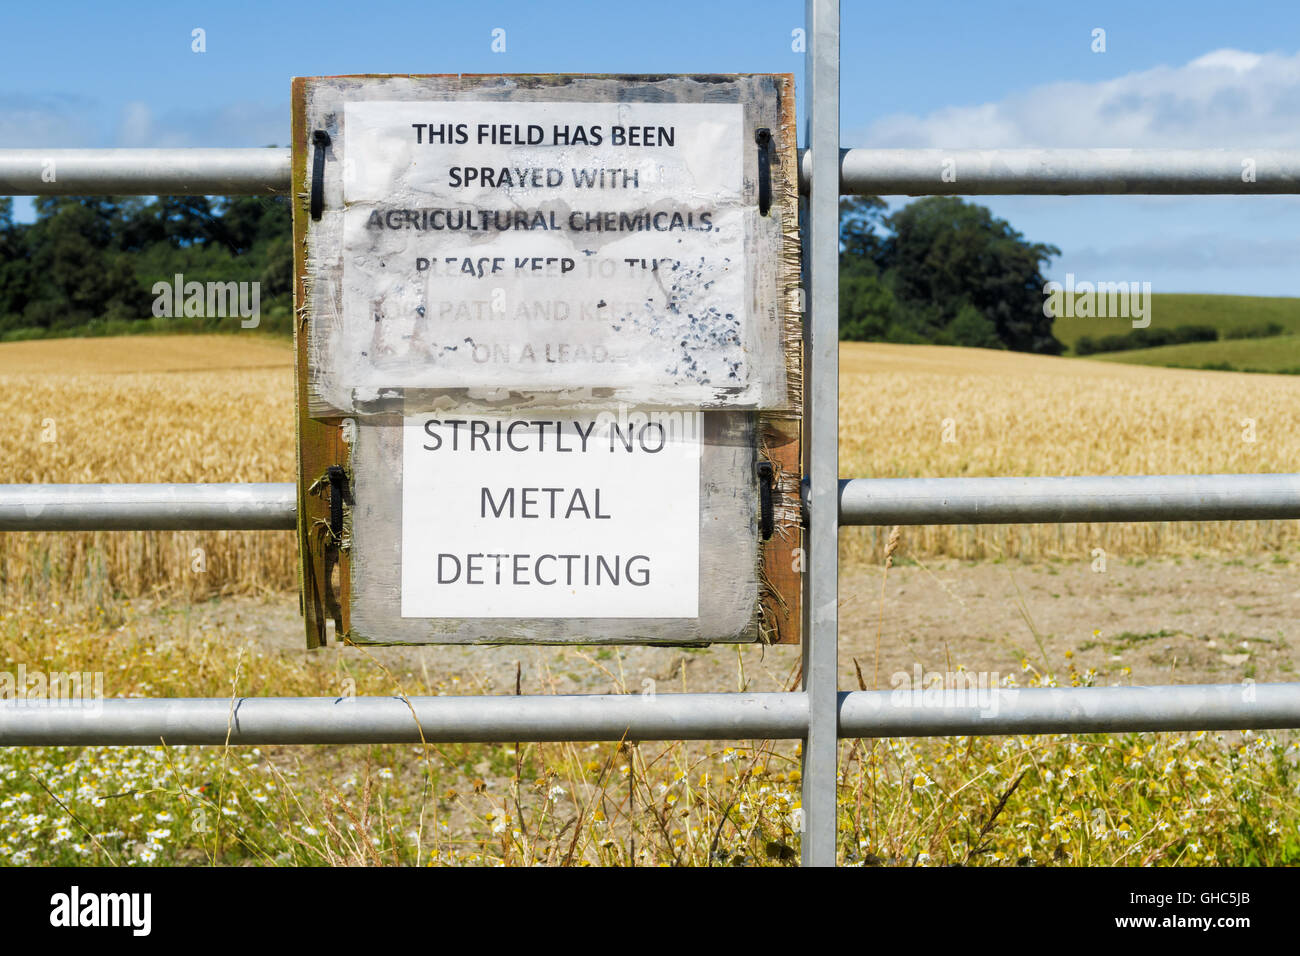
x=85 y=259
x=76 y=272
x=277 y=277
x=186 y=220
x=867 y=308
x=248 y=221
x=951 y=253
x=971 y=328
x=15 y=274
x=861 y=244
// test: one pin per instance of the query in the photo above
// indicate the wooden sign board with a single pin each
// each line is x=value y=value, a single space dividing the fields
x=549 y=358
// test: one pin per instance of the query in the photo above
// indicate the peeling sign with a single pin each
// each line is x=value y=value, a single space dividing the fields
x=489 y=254
x=559 y=242
x=543 y=246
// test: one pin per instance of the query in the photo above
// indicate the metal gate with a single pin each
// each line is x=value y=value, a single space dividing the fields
x=820 y=713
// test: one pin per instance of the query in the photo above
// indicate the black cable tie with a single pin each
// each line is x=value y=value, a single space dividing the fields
x=766 y=520
x=321 y=140
x=338 y=490
x=763 y=137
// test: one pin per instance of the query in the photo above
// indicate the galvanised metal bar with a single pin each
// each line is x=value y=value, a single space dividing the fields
x=821 y=243
x=884 y=172
x=1069 y=710
x=144 y=172
x=342 y=720
x=1066 y=172
x=888 y=501
x=480 y=719
x=872 y=501
x=157 y=507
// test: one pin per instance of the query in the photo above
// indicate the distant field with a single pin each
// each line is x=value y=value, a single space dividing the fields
x=1278 y=354
x=1224 y=312
x=143 y=353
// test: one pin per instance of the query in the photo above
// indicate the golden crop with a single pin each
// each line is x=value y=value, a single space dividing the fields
x=925 y=411
x=145 y=409
x=220 y=408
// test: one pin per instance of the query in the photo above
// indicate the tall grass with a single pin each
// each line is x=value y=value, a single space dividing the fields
x=1149 y=799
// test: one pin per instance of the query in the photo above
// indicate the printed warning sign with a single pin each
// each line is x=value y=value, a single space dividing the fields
x=546 y=245
x=551 y=516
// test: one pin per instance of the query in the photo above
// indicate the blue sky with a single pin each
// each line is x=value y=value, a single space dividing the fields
x=950 y=74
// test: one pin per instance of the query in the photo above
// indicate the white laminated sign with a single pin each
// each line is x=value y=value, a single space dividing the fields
x=546 y=246
x=550 y=517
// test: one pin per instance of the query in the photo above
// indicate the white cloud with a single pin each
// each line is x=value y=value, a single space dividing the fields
x=1224 y=98
x=136 y=125
x=53 y=121
x=61 y=122
x=1237 y=60
x=236 y=124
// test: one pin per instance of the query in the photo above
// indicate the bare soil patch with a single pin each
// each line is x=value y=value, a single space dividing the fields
x=1152 y=622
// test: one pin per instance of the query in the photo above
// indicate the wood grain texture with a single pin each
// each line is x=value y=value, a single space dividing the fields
x=780 y=432
x=319 y=441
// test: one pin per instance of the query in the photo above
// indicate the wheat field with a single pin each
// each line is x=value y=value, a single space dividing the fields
x=220 y=408
x=145 y=408
x=1005 y=413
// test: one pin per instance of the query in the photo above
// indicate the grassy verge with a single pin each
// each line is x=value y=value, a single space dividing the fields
x=1028 y=800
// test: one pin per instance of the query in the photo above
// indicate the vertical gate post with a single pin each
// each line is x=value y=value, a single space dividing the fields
x=821 y=419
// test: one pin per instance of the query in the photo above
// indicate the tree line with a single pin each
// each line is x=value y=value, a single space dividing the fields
x=941 y=271
x=88 y=264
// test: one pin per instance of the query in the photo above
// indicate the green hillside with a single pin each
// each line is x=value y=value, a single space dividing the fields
x=1167 y=310
x=1278 y=354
